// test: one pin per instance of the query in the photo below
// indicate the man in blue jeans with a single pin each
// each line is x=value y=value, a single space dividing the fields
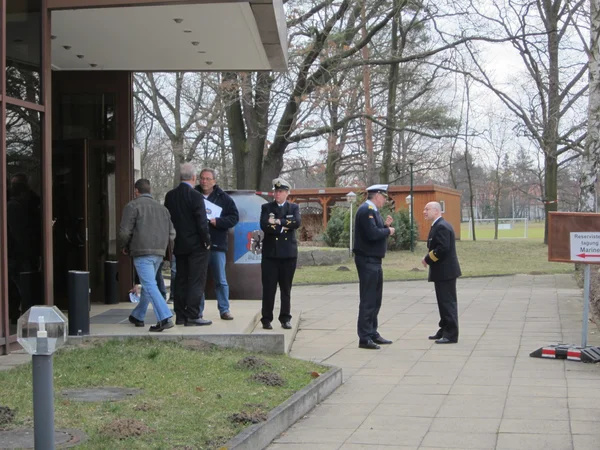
x=219 y=227
x=144 y=234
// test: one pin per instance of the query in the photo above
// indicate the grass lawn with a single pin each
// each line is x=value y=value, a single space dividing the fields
x=477 y=258
x=188 y=400
x=485 y=230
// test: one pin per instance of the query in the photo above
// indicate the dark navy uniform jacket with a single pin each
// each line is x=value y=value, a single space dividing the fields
x=280 y=243
x=442 y=259
x=370 y=237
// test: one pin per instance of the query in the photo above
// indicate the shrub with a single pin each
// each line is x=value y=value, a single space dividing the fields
x=337 y=233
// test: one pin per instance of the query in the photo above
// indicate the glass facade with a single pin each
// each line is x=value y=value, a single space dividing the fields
x=23 y=143
x=23 y=209
x=24 y=50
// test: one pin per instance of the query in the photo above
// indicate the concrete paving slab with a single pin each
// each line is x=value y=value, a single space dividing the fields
x=522 y=441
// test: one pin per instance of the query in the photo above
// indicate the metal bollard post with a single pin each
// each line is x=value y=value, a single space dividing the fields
x=79 y=303
x=110 y=283
x=43 y=397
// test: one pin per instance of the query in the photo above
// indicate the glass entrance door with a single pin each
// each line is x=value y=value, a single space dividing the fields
x=84 y=213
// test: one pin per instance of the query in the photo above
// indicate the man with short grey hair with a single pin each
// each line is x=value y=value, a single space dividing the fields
x=219 y=228
x=192 y=247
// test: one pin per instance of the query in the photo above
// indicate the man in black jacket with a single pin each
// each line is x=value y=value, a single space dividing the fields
x=279 y=220
x=370 y=245
x=219 y=228
x=443 y=271
x=192 y=247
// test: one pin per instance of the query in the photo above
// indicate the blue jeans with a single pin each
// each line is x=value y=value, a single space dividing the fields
x=146 y=268
x=216 y=264
x=173 y=275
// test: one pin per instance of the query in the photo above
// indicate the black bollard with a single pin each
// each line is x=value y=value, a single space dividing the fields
x=110 y=283
x=79 y=303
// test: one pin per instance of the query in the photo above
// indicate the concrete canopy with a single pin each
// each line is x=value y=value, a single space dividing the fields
x=168 y=36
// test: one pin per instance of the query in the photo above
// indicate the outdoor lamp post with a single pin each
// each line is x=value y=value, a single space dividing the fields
x=40 y=331
x=350 y=197
x=412 y=237
x=410 y=214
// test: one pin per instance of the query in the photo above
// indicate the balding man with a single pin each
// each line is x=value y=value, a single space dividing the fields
x=192 y=247
x=443 y=271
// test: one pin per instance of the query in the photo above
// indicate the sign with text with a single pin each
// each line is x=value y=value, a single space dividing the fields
x=585 y=247
x=574 y=237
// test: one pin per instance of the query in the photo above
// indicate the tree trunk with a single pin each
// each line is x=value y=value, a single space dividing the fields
x=390 y=118
x=550 y=189
x=591 y=158
x=368 y=109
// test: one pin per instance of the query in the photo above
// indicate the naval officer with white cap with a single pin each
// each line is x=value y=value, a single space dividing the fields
x=370 y=244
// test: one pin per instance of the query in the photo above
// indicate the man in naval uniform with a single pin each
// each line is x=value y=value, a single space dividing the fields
x=443 y=271
x=279 y=220
x=370 y=245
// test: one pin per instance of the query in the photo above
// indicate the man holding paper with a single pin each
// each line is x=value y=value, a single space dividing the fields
x=222 y=215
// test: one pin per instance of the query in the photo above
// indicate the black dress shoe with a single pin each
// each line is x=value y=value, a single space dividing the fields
x=445 y=341
x=370 y=345
x=162 y=325
x=437 y=335
x=197 y=322
x=267 y=325
x=381 y=340
x=136 y=322
x=286 y=325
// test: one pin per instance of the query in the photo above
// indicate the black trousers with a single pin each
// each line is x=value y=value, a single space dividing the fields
x=190 y=282
x=370 y=277
x=445 y=292
x=276 y=271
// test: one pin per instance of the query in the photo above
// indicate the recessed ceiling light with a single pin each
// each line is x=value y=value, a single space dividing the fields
x=80 y=56
x=187 y=31
x=208 y=63
x=93 y=65
x=201 y=51
x=67 y=47
x=178 y=20
x=195 y=43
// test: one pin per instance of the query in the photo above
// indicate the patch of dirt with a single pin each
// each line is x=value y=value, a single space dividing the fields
x=7 y=415
x=246 y=417
x=253 y=362
x=195 y=344
x=342 y=269
x=268 y=378
x=125 y=428
x=143 y=407
x=536 y=273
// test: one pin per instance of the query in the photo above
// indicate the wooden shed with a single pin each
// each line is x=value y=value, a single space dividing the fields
x=423 y=194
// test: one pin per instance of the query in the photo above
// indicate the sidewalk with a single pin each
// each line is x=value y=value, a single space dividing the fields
x=483 y=393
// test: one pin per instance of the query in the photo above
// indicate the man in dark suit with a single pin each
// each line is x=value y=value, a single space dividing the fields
x=192 y=247
x=279 y=220
x=370 y=245
x=443 y=271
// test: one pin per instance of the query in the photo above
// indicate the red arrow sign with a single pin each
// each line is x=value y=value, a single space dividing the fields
x=589 y=255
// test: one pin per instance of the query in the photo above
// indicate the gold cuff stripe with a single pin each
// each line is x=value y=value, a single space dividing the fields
x=433 y=257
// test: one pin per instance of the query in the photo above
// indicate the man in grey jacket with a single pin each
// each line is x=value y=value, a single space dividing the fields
x=145 y=232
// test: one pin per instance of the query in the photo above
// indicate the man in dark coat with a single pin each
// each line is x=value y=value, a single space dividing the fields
x=219 y=228
x=192 y=247
x=370 y=245
x=279 y=220
x=443 y=271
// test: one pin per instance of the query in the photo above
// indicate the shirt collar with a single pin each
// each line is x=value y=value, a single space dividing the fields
x=189 y=183
x=282 y=205
x=436 y=220
x=372 y=204
x=145 y=195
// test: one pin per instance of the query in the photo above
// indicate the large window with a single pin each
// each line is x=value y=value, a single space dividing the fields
x=23 y=210
x=24 y=50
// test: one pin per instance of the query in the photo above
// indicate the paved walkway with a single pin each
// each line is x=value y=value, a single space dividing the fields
x=483 y=393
